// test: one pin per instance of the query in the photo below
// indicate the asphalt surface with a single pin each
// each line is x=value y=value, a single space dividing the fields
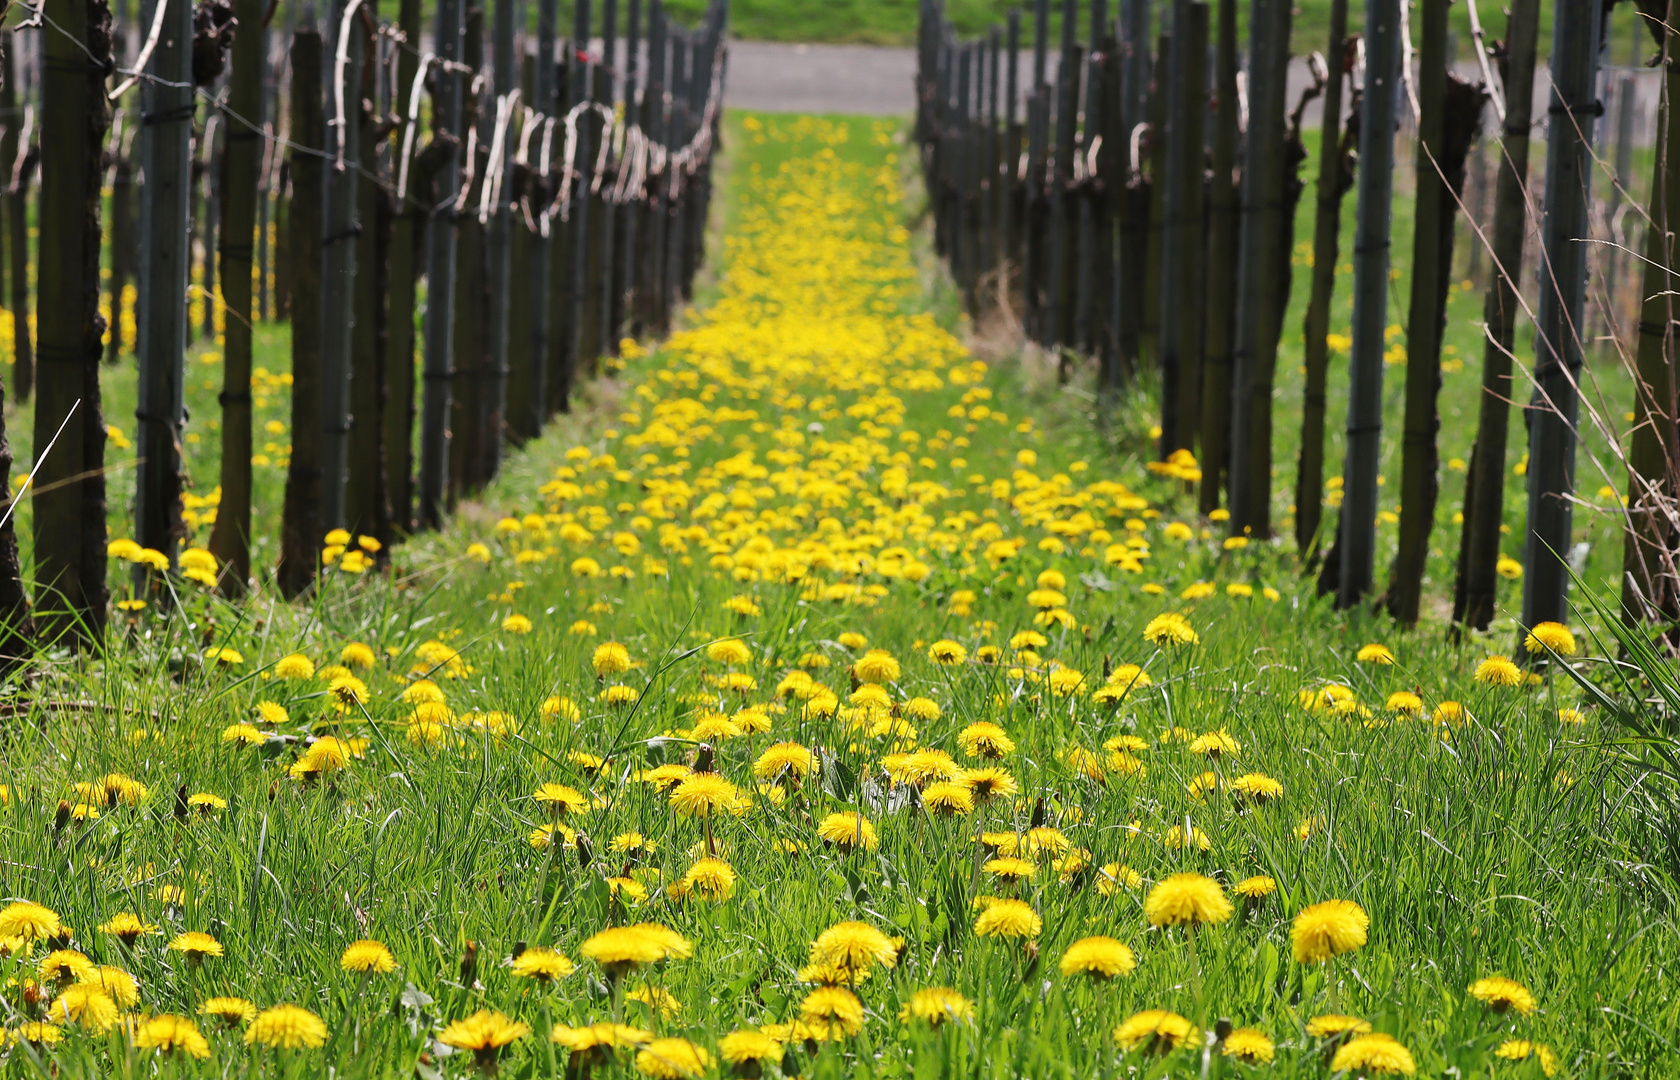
x=872 y=80
x=857 y=79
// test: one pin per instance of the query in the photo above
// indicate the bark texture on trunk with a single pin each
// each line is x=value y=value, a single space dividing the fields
x=407 y=240
x=18 y=158
x=1650 y=581
x=1558 y=330
x=1222 y=220
x=1451 y=112
x=16 y=626
x=301 y=528
x=69 y=518
x=1476 y=589
x=230 y=540
x=1335 y=178
x=366 y=512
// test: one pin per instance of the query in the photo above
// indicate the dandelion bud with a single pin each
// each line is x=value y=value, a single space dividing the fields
x=181 y=803
x=469 y=964
x=62 y=818
x=703 y=758
x=584 y=852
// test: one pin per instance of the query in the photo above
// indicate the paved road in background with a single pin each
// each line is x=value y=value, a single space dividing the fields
x=879 y=81
x=860 y=79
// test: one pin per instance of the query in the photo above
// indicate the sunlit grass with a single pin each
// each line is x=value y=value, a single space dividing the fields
x=754 y=482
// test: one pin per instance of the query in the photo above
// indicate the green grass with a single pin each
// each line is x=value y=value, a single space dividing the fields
x=1511 y=843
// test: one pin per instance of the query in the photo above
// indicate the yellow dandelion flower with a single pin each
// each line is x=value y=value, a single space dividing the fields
x=621 y=948
x=195 y=946
x=699 y=794
x=85 y=1005
x=542 y=965
x=788 y=759
x=1155 y=1031
x=731 y=651
x=484 y=1033
x=673 y=1059
x=357 y=654
x=1011 y=869
x=610 y=658
x=295 y=666
x=1171 y=629
x=1374 y=1053
x=1008 y=918
x=948 y=799
x=369 y=956
x=127 y=927
x=1501 y=994
x=749 y=1047
x=170 y=1034
x=27 y=920
x=848 y=832
x=1332 y=1025
x=853 y=947
x=1523 y=1049
x=988 y=784
x=560 y=800
x=1375 y=653
x=1101 y=958
x=1550 y=635
x=936 y=1005
x=711 y=879
x=832 y=1010
x=1250 y=1046
x=1186 y=900
x=877 y=666
x=1328 y=929
x=1499 y=671
x=287 y=1027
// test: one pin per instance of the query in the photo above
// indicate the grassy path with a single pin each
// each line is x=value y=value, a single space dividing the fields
x=810 y=714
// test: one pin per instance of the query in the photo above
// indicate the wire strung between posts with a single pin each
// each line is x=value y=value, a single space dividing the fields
x=638 y=161
x=29 y=480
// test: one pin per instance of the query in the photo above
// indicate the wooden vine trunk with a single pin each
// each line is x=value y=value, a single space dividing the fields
x=69 y=511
